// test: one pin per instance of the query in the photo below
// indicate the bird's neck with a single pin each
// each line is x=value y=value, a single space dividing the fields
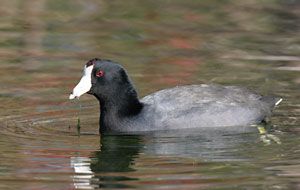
x=115 y=109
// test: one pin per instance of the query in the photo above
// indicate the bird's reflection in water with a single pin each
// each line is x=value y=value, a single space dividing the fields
x=117 y=153
x=113 y=163
x=83 y=174
x=105 y=167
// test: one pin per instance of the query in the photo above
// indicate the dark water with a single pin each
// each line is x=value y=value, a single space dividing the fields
x=44 y=45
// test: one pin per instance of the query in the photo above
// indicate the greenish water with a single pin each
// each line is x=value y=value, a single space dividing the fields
x=44 y=45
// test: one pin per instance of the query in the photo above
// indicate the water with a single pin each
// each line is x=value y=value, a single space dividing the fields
x=44 y=45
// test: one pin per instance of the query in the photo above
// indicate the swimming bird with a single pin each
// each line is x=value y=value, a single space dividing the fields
x=180 y=107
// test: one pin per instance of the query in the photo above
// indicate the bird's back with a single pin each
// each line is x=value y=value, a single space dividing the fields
x=195 y=106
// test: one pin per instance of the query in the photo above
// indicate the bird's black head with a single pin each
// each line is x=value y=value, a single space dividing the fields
x=109 y=83
x=101 y=78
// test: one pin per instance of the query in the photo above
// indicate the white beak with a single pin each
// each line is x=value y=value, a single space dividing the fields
x=84 y=84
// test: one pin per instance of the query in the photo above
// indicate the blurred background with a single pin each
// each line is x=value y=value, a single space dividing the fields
x=45 y=43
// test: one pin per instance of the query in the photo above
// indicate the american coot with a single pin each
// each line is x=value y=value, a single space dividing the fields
x=191 y=106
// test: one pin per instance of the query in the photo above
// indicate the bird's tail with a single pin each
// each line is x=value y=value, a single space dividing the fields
x=272 y=101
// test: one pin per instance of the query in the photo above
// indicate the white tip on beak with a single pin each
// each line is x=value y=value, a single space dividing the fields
x=71 y=97
x=84 y=84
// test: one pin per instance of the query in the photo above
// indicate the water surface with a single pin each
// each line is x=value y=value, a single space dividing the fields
x=44 y=45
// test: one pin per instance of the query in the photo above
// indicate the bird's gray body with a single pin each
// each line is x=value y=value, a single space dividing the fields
x=199 y=106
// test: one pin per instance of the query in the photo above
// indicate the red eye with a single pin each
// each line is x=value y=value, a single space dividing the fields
x=99 y=73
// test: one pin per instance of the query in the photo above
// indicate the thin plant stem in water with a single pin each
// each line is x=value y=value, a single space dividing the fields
x=78 y=126
x=78 y=117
